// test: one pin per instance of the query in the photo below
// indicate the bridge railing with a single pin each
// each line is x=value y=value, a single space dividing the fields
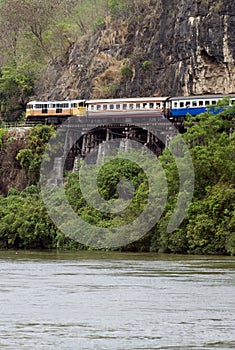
x=11 y=125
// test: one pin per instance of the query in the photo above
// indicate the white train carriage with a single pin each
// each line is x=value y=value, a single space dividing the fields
x=158 y=104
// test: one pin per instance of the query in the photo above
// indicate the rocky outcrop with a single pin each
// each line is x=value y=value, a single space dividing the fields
x=11 y=173
x=171 y=47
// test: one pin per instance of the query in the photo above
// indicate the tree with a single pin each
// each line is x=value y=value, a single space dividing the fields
x=208 y=227
x=16 y=85
x=30 y=158
x=32 y=16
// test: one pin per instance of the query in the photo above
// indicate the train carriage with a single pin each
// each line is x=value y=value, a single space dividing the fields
x=53 y=112
x=173 y=108
x=127 y=104
x=194 y=105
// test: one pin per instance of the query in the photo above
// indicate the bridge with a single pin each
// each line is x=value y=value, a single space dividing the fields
x=91 y=134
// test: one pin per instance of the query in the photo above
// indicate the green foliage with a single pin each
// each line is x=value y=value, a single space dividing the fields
x=16 y=79
x=118 y=8
x=208 y=228
x=30 y=158
x=16 y=85
x=126 y=72
x=209 y=225
x=25 y=157
x=50 y=27
x=85 y=16
x=3 y=133
x=211 y=221
x=218 y=6
x=146 y=64
x=34 y=32
x=109 y=90
x=108 y=179
x=24 y=223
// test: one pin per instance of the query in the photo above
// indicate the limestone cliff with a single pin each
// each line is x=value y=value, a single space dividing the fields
x=171 y=47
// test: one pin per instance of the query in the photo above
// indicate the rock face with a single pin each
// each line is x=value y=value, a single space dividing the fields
x=12 y=174
x=165 y=47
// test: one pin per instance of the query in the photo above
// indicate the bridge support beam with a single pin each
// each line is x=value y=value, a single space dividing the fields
x=92 y=140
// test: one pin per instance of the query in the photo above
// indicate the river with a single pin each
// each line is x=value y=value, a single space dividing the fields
x=104 y=301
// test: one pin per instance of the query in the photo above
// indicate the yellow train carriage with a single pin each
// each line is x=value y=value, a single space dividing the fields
x=54 y=112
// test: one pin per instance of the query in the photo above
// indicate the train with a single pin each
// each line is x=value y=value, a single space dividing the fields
x=172 y=108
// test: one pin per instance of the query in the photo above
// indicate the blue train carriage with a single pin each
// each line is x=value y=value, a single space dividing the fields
x=194 y=105
x=54 y=112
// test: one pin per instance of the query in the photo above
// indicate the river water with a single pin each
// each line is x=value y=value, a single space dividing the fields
x=99 y=301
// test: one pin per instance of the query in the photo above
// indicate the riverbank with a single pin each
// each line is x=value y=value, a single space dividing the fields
x=63 y=255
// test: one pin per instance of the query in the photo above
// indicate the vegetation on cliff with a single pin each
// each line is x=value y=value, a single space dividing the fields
x=208 y=228
x=34 y=33
x=37 y=33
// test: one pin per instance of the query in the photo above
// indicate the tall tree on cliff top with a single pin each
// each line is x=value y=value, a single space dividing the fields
x=27 y=20
x=25 y=48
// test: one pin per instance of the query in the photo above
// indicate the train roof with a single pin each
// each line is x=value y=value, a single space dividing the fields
x=198 y=97
x=54 y=101
x=129 y=99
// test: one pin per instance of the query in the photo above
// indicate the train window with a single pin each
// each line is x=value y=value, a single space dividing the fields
x=137 y=105
x=200 y=103
x=38 y=106
x=213 y=102
x=181 y=104
x=92 y=107
x=98 y=107
x=74 y=105
x=118 y=106
x=151 y=105
x=175 y=104
x=207 y=103
x=105 y=107
x=158 y=105
x=131 y=106
x=194 y=103
x=111 y=107
x=187 y=104
x=145 y=105
x=124 y=106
